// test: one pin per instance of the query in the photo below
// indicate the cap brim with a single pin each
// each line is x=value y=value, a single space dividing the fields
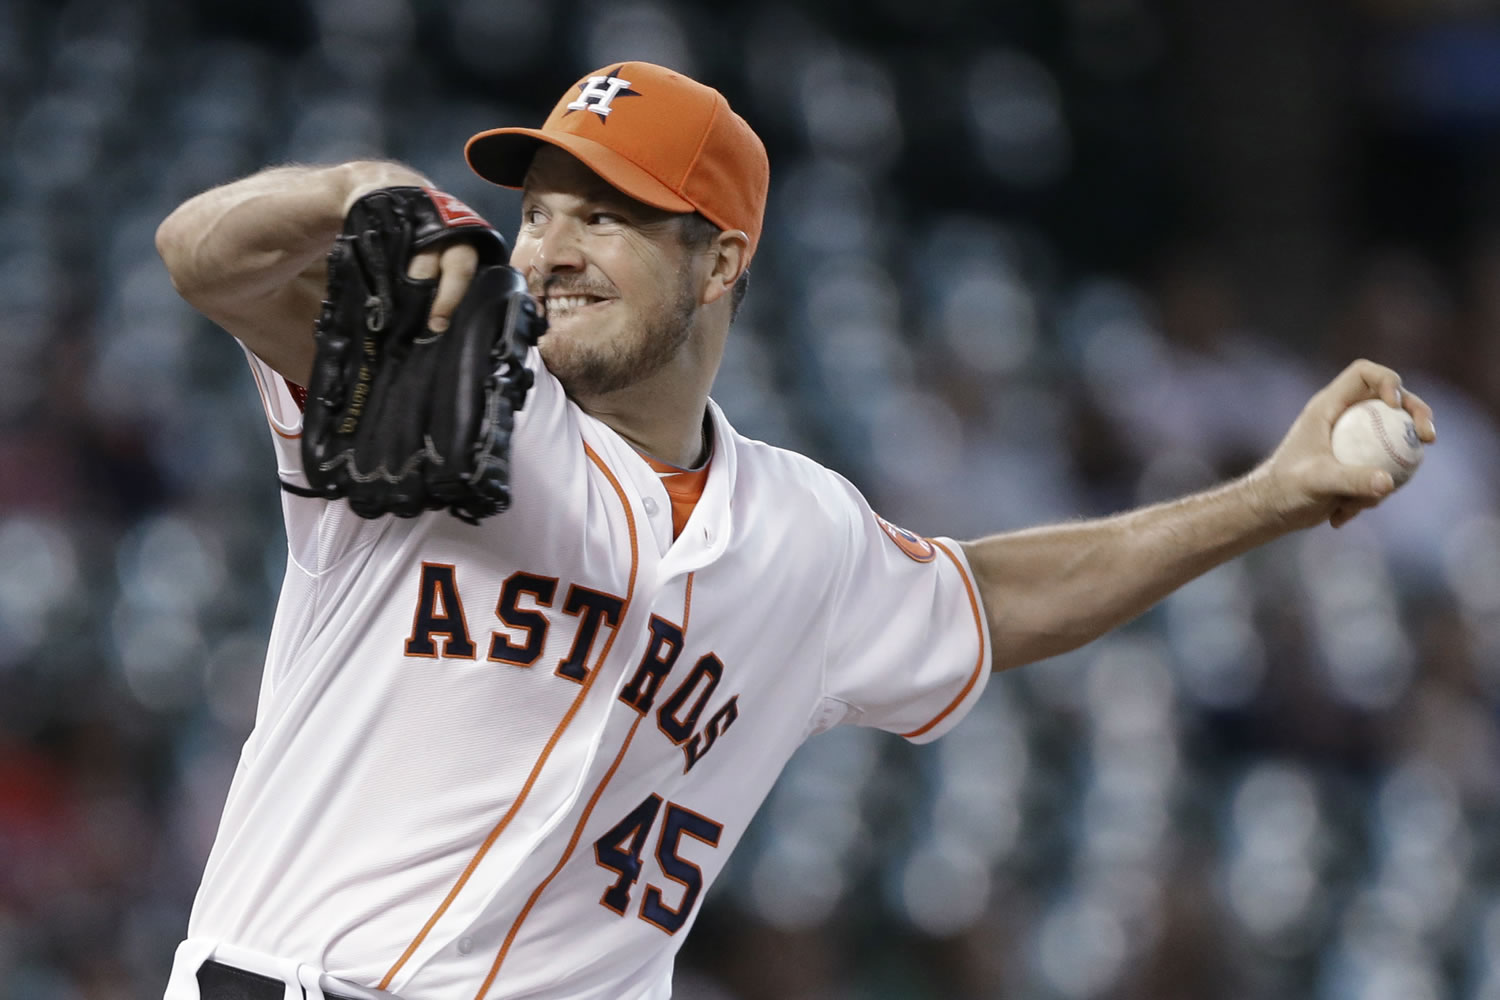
x=503 y=155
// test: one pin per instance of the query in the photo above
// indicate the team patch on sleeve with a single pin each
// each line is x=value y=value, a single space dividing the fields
x=909 y=542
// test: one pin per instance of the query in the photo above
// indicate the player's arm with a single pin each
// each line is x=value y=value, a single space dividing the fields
x=1051 y=589
x=251 y=254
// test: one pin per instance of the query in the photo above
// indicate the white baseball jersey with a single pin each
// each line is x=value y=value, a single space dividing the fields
x=507 y=760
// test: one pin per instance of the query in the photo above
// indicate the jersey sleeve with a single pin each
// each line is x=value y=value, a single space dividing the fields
x=909 y=644
x=283 y=411
x=319 y=532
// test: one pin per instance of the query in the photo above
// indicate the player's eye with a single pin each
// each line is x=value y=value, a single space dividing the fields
x=605 y=218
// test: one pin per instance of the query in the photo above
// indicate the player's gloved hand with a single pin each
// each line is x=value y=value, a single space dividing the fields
x=399 y=418
x=1302 y=483
x=453 y=265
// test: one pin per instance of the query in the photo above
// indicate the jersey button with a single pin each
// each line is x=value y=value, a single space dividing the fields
x=650 y=505
x=465 y=945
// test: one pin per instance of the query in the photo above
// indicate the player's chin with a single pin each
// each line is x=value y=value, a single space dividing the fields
x=581 y=368
x=571 y=344
x=578 y=333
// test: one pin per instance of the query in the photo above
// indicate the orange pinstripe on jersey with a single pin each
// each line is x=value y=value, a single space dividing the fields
x=541 y=760
x=979 y=661
x=515 y=928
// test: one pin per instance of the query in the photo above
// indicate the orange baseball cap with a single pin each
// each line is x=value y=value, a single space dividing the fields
x=654 y=134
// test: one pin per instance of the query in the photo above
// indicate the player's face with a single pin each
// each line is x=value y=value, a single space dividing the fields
x=618 y=281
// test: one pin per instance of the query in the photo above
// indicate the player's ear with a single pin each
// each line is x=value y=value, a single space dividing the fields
x=730 y=252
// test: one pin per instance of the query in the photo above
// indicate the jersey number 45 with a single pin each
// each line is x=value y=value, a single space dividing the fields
x=619 y=850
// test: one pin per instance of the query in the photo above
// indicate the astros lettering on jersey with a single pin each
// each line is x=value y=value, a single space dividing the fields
x=508 y=760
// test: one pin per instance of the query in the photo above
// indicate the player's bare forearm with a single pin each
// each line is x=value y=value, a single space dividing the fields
x=1050 y=589
x=250 y=254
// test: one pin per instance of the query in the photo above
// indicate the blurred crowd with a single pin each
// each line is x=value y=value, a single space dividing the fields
x=1021 y=264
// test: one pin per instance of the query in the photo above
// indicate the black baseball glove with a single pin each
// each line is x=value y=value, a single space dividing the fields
x=399 y=419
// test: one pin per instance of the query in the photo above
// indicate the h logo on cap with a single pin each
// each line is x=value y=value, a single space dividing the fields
x=596 y=93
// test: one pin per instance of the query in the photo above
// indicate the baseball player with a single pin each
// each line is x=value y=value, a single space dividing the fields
x=507 y=760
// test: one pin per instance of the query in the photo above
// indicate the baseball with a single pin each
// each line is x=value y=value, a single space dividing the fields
x=1379 y=435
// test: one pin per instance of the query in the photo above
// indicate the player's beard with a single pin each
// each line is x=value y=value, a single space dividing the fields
x=588 y=367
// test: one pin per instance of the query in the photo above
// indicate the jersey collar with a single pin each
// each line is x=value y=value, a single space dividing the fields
x=706 y=535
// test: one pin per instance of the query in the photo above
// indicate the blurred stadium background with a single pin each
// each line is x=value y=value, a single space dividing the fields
x=1025 y=261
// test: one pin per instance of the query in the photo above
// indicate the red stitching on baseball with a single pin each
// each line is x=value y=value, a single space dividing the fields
x=1385 y=442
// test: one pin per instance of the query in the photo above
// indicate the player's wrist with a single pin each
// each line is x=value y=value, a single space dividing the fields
x=359 y=177
x=1265 y=499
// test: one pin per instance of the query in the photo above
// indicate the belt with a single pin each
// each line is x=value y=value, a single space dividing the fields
x=217 y=981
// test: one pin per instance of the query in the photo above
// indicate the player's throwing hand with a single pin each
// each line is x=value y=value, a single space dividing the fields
x=1302 y=482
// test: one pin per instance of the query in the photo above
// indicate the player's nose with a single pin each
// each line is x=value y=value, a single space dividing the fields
x=557 y=250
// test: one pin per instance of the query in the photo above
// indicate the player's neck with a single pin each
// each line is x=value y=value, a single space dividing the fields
x=662 y=417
